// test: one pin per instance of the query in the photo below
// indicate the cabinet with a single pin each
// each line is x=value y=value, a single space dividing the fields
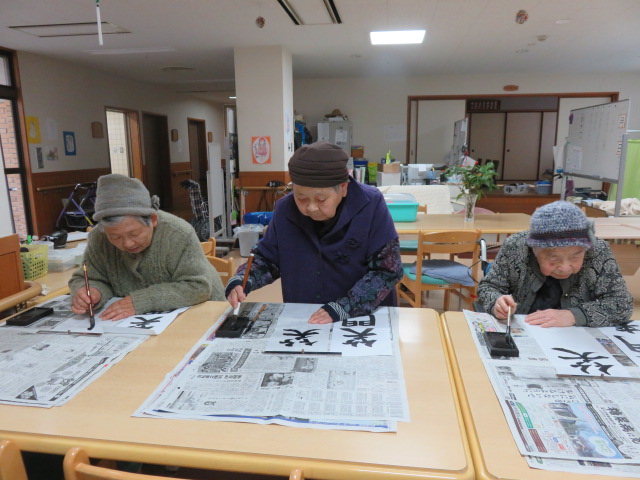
x=338 y=132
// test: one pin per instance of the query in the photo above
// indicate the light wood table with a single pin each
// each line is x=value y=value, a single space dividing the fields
x=431 y=446
x=495 y=454
x=498 y=223
x=624 y=235
x=618 y=228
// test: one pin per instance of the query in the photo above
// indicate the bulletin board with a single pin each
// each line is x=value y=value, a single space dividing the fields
x=594 y=143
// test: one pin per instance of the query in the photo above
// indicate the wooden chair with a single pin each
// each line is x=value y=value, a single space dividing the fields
x=224 y=267
x=11 y=465
x=410 y=247
x=209 y=247
x=451 y=243
x=492 y=247
x=77 y=466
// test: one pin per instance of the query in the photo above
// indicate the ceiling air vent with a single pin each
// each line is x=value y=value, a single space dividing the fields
x=318 y=12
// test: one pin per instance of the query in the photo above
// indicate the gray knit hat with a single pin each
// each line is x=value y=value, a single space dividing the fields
x=560 y=224
x=319 y=165
x=119 y=195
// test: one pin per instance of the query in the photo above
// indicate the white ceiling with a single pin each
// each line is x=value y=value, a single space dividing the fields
x=463 y=37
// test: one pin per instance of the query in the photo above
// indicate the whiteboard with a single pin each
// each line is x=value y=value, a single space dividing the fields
x=594 y=143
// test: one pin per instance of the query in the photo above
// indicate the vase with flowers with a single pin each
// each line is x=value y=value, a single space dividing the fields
x=474 y=182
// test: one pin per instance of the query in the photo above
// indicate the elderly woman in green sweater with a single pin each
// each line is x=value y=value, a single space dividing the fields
x=150 y=258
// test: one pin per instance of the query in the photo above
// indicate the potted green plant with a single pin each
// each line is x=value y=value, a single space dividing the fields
x=474 y=182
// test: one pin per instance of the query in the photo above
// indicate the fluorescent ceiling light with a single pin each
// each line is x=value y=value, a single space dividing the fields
x=232 y=97
x=69 y=29
x=397 y=37
x=126 y=51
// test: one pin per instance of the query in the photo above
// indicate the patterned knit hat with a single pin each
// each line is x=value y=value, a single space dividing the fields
x=118 y=195
x=560 y=224
x=319 y=165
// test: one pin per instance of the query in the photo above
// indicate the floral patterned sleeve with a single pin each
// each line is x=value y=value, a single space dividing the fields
x=385 y=270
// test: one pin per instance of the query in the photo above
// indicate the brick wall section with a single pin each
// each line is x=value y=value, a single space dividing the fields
x=8 y=136
x=11 y=160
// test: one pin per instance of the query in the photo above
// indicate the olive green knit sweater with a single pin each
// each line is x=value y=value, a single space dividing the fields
x=172 y=272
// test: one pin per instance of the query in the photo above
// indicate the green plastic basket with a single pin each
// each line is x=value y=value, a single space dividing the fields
x=35 y=262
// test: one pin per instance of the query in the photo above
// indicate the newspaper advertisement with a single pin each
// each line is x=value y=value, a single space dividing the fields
x=46 y=370
x=587 y=424
x=64 y=320
x=235 y=379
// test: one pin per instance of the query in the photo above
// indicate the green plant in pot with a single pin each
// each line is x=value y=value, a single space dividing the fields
x=474 y=181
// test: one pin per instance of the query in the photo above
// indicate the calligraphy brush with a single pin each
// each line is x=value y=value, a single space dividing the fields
x=244 y=281
x=92 y=320
x=508 y=332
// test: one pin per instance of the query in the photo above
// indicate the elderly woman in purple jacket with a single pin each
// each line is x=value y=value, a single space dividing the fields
x=332 y=241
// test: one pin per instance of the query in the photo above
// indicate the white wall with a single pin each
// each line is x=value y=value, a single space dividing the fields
x=264 y=104
x=372 y=103
x=66 y=97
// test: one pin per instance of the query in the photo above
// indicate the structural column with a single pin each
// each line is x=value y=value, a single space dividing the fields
x=264 y=106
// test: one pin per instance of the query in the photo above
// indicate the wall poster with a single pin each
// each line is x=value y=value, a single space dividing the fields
x=261 y=150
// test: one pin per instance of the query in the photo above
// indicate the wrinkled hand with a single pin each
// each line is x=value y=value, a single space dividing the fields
x=551 y=318
x=118 y=310
x=81 y=301
x=501 y=307
x=236 y=296
x=320 y=316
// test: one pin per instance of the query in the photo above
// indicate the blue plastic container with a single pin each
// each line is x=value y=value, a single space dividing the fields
x=262 y=218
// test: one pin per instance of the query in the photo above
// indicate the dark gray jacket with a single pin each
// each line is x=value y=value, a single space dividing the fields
x=597 y=295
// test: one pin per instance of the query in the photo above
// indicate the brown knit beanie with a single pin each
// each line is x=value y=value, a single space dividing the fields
x=319 y=165
x=118 y=195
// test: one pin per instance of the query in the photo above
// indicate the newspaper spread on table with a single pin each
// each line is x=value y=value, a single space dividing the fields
x=588 y=422
x=46 y=369
x=224 y=379
x=63 y=320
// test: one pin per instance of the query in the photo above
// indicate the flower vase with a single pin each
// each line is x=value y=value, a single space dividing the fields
x=469 y=206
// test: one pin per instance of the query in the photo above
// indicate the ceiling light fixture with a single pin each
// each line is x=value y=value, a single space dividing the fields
x=69 y=29
x=397 y=37
x=127 y=51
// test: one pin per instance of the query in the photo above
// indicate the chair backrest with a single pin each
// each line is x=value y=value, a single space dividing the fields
x=77 y=466
x=11 y=465
x=452 y=243
x=224 y=267
x=209 y=247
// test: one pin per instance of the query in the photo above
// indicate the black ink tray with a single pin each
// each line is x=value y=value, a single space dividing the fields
x=233 y=327
x=500 y=344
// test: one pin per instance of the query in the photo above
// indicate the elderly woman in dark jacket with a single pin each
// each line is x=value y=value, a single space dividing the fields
x=332 y=241
x=558 y=273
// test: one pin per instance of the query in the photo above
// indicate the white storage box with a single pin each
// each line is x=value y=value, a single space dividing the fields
x=64 y=259
x=384 y=179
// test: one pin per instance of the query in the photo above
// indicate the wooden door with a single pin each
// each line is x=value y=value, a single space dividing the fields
x=522 y=146
x=486 y=137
